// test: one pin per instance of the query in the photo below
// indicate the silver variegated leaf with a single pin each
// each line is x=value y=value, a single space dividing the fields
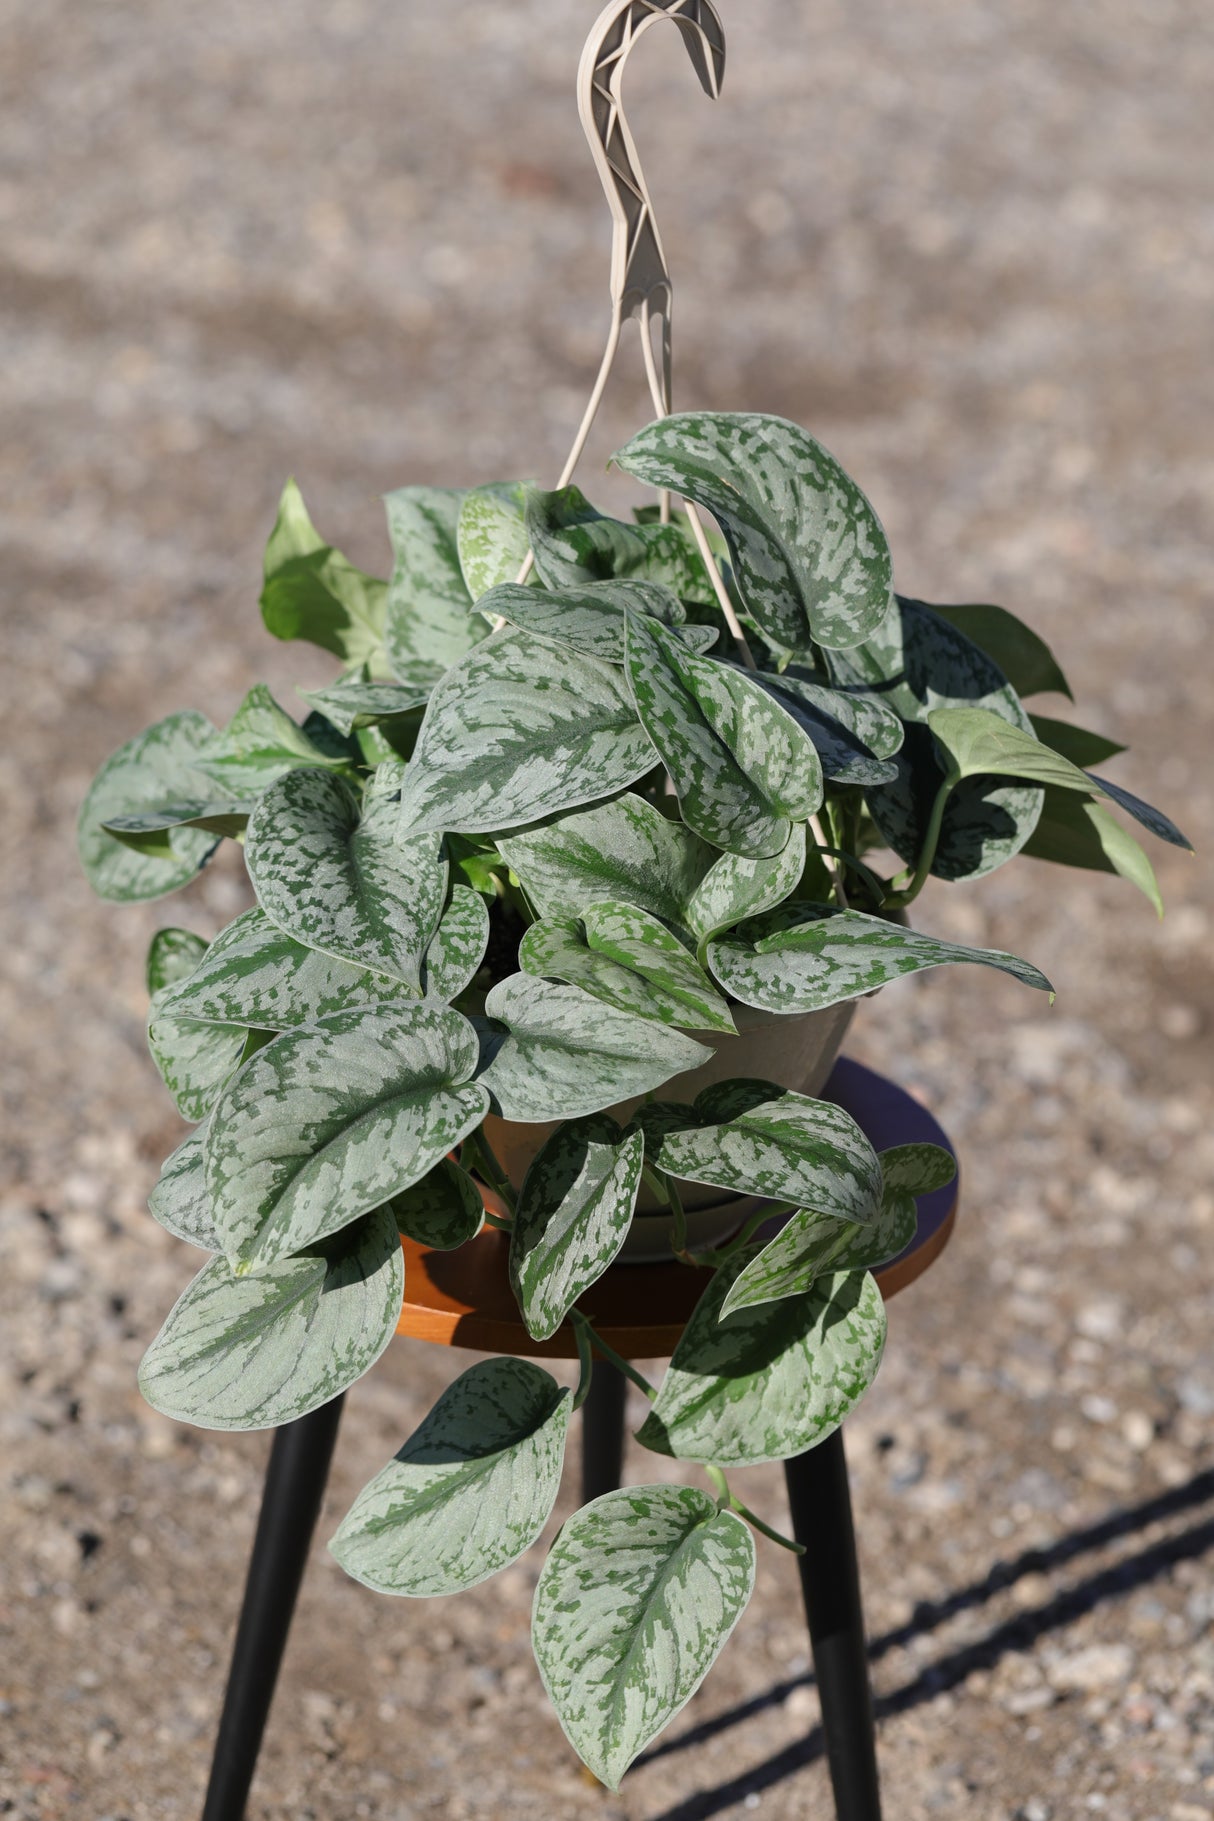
x=626 y=850
x=160 y=765
x=254 y=1352
x=518 y=730
x=255 y=975
x=785 y=1146
x=195 y=1060
x=355 y=886
x=1075 y=832
x=810 y=1246
x=358 y=701
x=444 y=1210
x=491 y=536
x=457 y=947
x=471 y=1489
x=332 y=1121
x=428 y=625
x=260 y=744
x=915 y=662
x=639 y=1593
x=765 y=1384
x=575 y=544
x=804 y=957
x=626 y=958
x=591 y=618
x=180 y=1201
x=565 y=1054
x=173 y=955
x=574 y=1211
x=743 y=768
x=918 y=1168
x=313 y=592
x=808 y=551
x=736 y=888
x=1020 y=653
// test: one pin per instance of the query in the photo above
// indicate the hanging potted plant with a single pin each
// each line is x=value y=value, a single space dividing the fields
x=563 y=894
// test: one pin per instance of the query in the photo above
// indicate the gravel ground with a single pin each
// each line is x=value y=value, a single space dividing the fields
x=970 y=247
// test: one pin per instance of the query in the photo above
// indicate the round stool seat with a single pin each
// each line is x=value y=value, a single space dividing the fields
x=464 y=1299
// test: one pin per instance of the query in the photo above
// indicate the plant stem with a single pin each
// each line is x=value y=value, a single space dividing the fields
x=581 y=1332
x=484 y=1160
x=931 y=842
x=580 y=1323
x=496 y=1221
x=727 y=1501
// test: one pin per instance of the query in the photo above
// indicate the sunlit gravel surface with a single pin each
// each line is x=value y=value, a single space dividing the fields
x=970 y=247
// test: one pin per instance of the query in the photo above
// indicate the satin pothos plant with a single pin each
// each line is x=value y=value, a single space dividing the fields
x=531 y=838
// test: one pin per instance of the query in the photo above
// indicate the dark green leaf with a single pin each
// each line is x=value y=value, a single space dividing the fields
x=313 y=592
x=444 y=1210
x=1024 y=658
x=1074 y=743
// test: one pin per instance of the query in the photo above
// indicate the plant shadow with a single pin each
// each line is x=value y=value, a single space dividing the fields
x=1011 y=1635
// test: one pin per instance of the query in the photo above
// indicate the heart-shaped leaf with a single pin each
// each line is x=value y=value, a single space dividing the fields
x=180 y=1201
x=804 y=957
x=574 y=544
x=808 y=550
x=159 y=766
x=352 y=885
x=332 y=1121
x=518 y=730
x=625 y=850
x=313 y=592
x=639 y=1593
x=1075 y=832
x=458 y=946
x=591 y=618
x=173 y=956
x=491 y=536
x=736 y=888
x=256 y=976
x=358 y=701
x=785 y=1146
x=744 y=770
x=260 y=744
x=573 y=1215
x=1021 y=654
x=628 y=959
x=765 y=1384
x=444 y=1210
x=565 y=1054
x=254 y=1352
x=915 y=663
x=428 y=625
x=471 y=1489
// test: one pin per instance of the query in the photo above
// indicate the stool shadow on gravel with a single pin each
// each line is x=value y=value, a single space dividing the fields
x=1015 y=1634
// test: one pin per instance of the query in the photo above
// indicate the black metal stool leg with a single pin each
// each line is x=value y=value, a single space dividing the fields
x=290 y=1505
x=820 y=1502
x=603 y=1431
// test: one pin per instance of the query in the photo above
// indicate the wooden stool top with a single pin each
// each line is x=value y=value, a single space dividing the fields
x=464 y=1299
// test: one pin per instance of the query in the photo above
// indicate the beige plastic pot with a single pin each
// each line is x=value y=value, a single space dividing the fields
x=796 y=1053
